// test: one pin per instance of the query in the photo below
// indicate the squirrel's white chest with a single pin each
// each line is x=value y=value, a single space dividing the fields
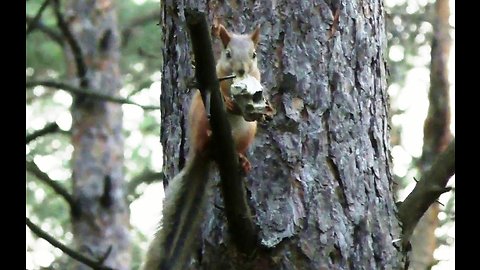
x=239 y=126
x=237 y=123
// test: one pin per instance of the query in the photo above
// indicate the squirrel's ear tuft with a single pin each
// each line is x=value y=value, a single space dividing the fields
x=220 y=31
x=255 y=36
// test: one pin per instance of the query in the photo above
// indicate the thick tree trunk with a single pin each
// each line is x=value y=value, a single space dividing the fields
x=101 y=219
x=321 y=185
x=436 y=133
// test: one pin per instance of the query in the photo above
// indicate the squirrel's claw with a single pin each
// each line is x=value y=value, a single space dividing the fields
x=244 y=163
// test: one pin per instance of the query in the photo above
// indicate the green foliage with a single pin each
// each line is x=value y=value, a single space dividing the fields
x=140 y=60
x=140 y=40
x=138 y=253
x=409 y=27
x=44 y=55
x=149 y=124
x=48 y=208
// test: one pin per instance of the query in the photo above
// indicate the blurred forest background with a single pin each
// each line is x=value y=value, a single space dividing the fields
x=421 y=39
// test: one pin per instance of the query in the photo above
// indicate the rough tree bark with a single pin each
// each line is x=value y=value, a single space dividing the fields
x=436 y=133
x=321 y=183
x=101 y=219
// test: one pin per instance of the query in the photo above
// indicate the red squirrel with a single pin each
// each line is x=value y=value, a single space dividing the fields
x=239 y=58
x=183 y=207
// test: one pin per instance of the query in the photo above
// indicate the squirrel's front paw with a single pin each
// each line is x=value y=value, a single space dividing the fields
x=244 y=163
x=231 y=106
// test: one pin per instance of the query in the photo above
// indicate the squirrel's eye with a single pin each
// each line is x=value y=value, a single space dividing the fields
x=228 y=54
x=254 y=55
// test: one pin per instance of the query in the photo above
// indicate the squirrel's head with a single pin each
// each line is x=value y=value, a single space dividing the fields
x=239 y=54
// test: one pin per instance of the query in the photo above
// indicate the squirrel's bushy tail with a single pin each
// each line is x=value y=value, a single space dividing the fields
x=183 y=212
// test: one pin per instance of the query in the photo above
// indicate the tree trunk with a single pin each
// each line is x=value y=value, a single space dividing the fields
x=436 y=133
x=321 y=185
x=101 y=219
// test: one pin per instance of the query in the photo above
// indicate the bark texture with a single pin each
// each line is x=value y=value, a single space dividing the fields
x=321 y=185
x=436 y=133
x=101 y=220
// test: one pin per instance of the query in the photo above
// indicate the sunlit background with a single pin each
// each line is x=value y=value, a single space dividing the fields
x=411 y=98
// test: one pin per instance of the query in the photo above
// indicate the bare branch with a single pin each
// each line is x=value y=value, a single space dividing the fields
x=436 y=133
x=144 y=53
x=146 y=177
x=70 y=252
x=42 y=176
x=52 y=33
x=192 y=83
x=226 y=78
x=143 y=19
x=240 y=223
x=76 y=50
x=37 y=16
x=87 y=92
x=49 y=128
x=102 y=259
x=430 y=186
x=138 y=21
x=141 y=86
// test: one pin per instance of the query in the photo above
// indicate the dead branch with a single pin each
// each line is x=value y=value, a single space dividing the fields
x=37 y=16
x=240 y=223
x=49 y=128
x=142 y=52
x=226 y=78
x=50 y=32
x=430 y=186
x=138 y=21
x=58 y=188
x=76 y=50
x=147 y=177
x=88 y=92
x=97 y=265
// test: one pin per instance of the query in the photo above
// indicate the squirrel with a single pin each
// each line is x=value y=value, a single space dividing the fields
x=186 y=196
x=239 y=58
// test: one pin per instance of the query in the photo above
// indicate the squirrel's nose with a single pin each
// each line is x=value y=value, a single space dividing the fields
x=241 y=72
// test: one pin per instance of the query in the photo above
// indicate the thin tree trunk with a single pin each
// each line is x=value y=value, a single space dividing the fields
x=101 y=220
x=424 y=241
x=321 y=185
x=436 y=133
